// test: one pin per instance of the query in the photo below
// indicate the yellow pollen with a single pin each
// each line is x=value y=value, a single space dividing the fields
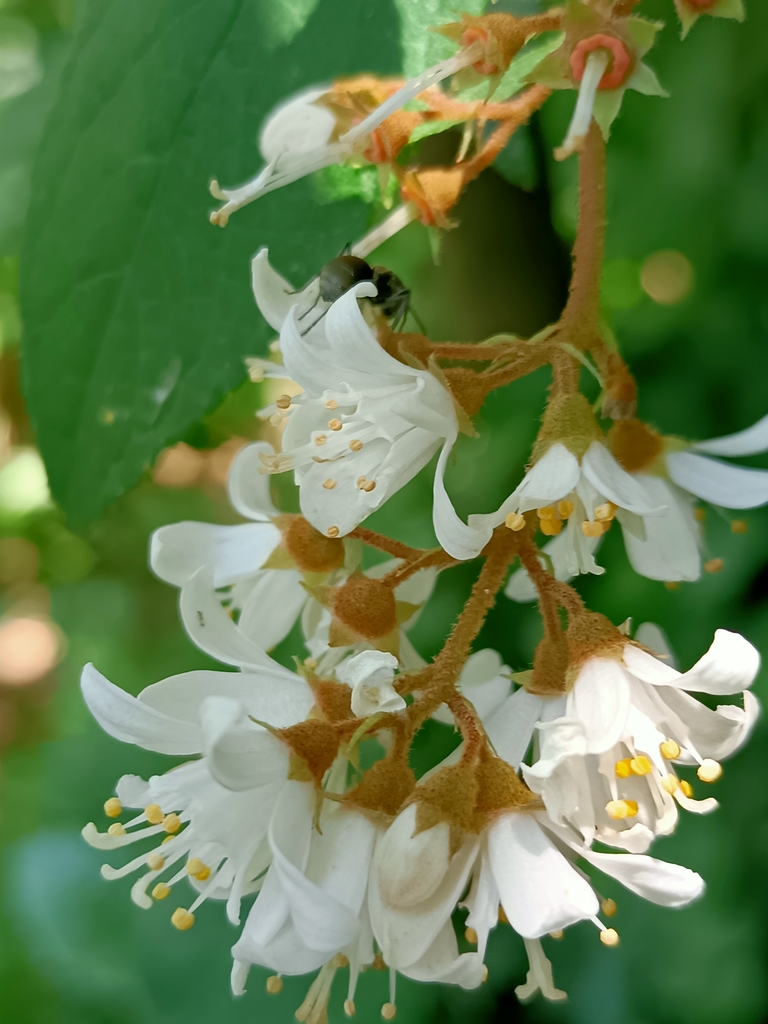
x=670 y=750
x=739 y=526
x=155 y=862
x=321 y=439
x=671 y=585
x=592 y=529
x=565 y=509
x=557 y=935
x=349 y=1008
x=605 y=513
x=608 y=907
x=389 y=1011
x=167 y=839
x=670 y=783
x=623 y=769
x=548 y=512
x=366 y=485
x=714 y=565
x=550 y=527
x=514 y=521
x=329 y=484
x=620 y=809
x=331 y=404
x=686 y=787
x=116 y=830
x=470 y=935
x=341 y=960
x=355 y=445
x=161 y=891
x=485 y=973
x=631 y=807
x=378 y=963
x=709 y=770
x=699 y=514
x=154 y=814
x=334 y=424
x=283 y=401
x=171 y=822
x=182 y=919
x=274 y=984
x=113 y=808
x=640 y=765
x=310 y=663
x=503 y=919
x=609 y=937
x=198 y=869
x=332 y=531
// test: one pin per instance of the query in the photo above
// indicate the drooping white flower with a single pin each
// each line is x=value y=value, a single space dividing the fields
x=485 y=681
x=216 y=809
x=607 y=749
x=370 y=675
x=366 y=423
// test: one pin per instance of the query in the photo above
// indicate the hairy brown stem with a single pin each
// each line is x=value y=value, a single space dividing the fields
x=392 y=547
x=551 y=591
x=438 y=559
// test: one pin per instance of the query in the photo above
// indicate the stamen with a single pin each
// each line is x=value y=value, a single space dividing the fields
x=153 y=814
x=503 y=919
x=557 y=935
x=332 y=531
x=739 y=526
x=606 y=512
x=608 y=907
x=329 y=484
x=321 y=439
x=389 y=1011
x=714 y=565
x=155 y=862
x=623 y=770
x=550 y=527
x=709 y=770
x=609 y=937
x=596 y=64
x=172 y=822
x=470 y=935
x=670 y=783
x=514 y=522
x=274 y=984
x=621 y=809
x=364 y=484
x=565 y=509
x=335 y=424
x=592 y=529
x=485 y=974
x=331 y=404
x=161 y=891
x=699 y=514
x=168 y=839
x=113 y=808
x=548 y=512
x=197 y=869
x=686 y=787
x=355 y=445
x=283 y=402
x=671 y=585
x=116 y=830
x=640 y=765
x=182 y=919
x=669 y=750
x=349 y=1008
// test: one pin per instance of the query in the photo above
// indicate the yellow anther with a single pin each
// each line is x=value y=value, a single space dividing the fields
x=116 y=830
x=671 y=585
x=550 y=527
x=670 y=750
x=709 y=770
x=161 y=891
x=609 y=937
x=514 y=521
x=320 y=439
x=699 y=514
x=631 y=808
x=503 y=919
x=153 y=814
x=113 y=808
x=168 y=839
x=640 y=765
x=283 y=402
x=547 y=512
x=341 y=960
x=367 y=485
x=332 y=531
x=331 y=404
x=274 y=984
x=349 y=1008
x=155 y=862
x=686 y=787
x=334 y=424
x=565 y=509
x=604 y=513
x=355 y=445
x=485 y=973
x=592 y=529
x=739 y=526
x=171 y=822
x=329 y=484
x=378 y=963
x=557 y=935
x=608 y=907
x=182 y=919
x=670 y=783
x=470 y=935
x=622 y=768
x=197 y=869
x=714 y=565
x=620 y=809
x=389 y=1011
x=275 y=419
x=310 y=663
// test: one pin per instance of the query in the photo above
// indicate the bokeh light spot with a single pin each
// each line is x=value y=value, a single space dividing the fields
x=29 y=648
x=667 y=277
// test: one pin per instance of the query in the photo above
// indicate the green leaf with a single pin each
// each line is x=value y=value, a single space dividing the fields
x=422 y=48
x=515 y=77
x=137 y=311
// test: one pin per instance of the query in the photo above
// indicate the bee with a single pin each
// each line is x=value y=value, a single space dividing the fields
x=345 y=271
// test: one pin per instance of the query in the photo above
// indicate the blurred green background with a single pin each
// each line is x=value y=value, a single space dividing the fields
x=113 y=117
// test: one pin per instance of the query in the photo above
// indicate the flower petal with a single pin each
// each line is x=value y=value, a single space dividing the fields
x=510 y=727
x=443 y=963
x=718 y=482
x=606 y=475
x=272 y=607
x=178 y=551
x=551 y=478
x=669 y=885
x=729 y=666
x=460 y=540
x=248 y=488
x=600 y=701
x=751 y=441
x=669 y=548
x=241 y=754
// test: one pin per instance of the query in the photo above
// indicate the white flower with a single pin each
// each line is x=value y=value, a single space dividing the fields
x=370 y=675
x=607 y=749
x=217 y=808
x=485 y=681
x=366 y=423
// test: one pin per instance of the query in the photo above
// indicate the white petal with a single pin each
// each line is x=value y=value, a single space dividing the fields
x=368 y=666
x=540 y=891
x=411 y=865
x=615 y=483
x=729 y=666
x=553 y=477
x=669 y=546
x=272 y=607
x=460 y=540
x=718 y=482
x=651 y=635
x=178 y=551
x=600 y=701
x=482 y=902
x=670 y=885
x=751 y=441
x=297 y=125
x=248 y=488
x=443 y=963
x=510 y=727
x=133 y=721
x=241 y=754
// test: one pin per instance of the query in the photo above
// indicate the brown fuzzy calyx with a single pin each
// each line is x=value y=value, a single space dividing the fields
x=333 y=699
x=590 y=635
x=366 y=607
x=314 y=743
x=467 y=387
x=550 y=666
x=435 y=191
x=448 y=796
x=635 y=445
x=499 y=788
x=310 y=549
x=385 y=787
x=568 y=420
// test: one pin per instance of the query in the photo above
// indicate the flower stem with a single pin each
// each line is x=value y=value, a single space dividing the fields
x=392 y=547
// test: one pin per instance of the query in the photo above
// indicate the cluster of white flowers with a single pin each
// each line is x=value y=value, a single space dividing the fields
x=357 y=868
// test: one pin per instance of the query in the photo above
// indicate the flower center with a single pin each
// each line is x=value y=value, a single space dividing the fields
x=619 y=63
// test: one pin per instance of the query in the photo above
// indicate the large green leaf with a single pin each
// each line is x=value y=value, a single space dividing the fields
x=137 y=311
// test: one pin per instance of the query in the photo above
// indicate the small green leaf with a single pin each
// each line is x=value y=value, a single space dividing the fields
x=420 y=47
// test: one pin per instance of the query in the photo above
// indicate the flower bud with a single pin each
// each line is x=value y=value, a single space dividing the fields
x=310 y=550
x=365 y=606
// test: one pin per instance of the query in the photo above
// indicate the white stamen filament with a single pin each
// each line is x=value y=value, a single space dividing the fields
x=395 y=222
x=594 y=70
x=539 y=977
